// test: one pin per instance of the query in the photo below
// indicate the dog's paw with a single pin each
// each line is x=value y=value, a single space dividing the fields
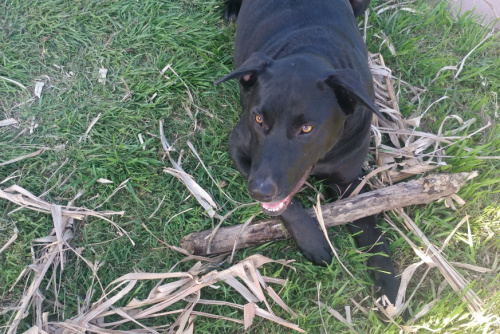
x=386 y=284
x=316 y=249
x=321 y=257
x=232 y=10
x=384 y=275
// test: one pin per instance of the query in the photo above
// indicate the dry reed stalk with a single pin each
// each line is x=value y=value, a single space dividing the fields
x=8 y=122
x=30 y=155
x=434 y=257
x=243 y=277
x=10 y=241
x=50 y=250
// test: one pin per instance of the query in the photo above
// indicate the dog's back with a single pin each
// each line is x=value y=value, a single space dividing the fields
x=327 y=28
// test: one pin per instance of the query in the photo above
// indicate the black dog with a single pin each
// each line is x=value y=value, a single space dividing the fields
x=307 y=96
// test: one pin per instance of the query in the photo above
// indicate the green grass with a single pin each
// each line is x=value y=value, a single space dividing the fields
x=135 y=40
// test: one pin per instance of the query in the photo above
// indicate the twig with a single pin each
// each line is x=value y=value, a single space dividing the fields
x=462 y=62
x=14 y=82
x=319 y=216
x=121 y=186
x=10 y=241
x=245 y=224
x=31 y=155
x=190 y=145
x=158 y=207
x=94 y=121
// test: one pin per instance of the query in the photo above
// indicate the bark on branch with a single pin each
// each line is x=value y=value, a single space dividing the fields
x=422 y=191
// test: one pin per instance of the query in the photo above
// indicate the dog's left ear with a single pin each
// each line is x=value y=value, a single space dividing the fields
x=249 y=71
x=359 y=6
x=349 y=90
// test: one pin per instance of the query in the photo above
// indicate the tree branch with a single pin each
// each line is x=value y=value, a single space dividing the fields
x=422 y=191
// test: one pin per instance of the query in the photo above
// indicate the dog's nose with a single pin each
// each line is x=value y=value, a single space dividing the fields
x=262 y=189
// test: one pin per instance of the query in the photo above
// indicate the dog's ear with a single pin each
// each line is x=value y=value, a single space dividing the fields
x=349 y=90
x=248 y=72
x=359 y=6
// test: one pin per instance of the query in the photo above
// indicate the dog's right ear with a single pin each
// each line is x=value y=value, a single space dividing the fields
x=348 y=88
x=359 y=6
x=248 y=72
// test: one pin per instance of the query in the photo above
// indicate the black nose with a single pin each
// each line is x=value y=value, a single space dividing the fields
x=262 y=189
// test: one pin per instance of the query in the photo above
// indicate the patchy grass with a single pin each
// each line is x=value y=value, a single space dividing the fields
x=65 y=43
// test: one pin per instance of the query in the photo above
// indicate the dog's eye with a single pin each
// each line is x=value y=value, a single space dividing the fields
x=259 y=119
x=306 y=128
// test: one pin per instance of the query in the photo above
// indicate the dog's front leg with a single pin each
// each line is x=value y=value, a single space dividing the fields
x=370 y=237
x=232 y=10
x=307 y=234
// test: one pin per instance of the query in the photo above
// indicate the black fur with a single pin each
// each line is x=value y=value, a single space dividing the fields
x=307 y=97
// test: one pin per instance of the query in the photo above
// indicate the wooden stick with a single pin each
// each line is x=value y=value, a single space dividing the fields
x=422 y=191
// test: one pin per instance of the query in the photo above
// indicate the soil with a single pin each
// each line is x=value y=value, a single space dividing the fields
x=487 y=9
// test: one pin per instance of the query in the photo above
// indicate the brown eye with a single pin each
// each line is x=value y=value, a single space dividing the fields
x=306 y=128
x=259 y=119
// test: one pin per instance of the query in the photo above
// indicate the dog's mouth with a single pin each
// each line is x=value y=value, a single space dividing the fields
x=277 y=208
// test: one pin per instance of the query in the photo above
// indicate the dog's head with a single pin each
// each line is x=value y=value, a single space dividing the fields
x=294 y=110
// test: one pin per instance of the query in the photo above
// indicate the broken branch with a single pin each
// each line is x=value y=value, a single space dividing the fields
x=422 y=191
